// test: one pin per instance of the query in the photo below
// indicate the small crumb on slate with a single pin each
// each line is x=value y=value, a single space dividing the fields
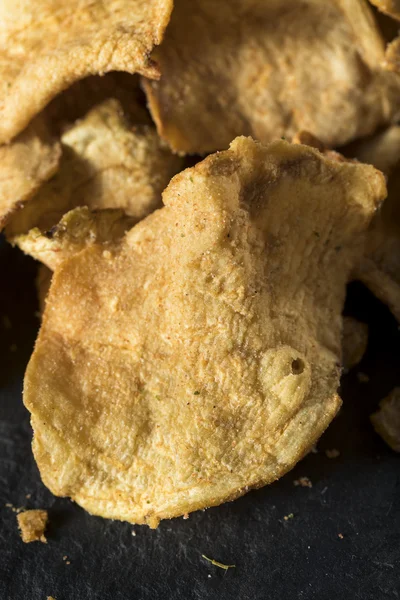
x=323 y=491
x=289 y=516
x=362 y=377
x=218 y=564
x=133 y=533
x=65 y=557
x=186 y=516
x=28 y=496
x=32 y=524
x=209 y=576
x=340 y=535
x=303 y=482
x=333 y=453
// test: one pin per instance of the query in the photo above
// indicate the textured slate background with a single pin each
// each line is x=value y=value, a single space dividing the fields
x=357 y=495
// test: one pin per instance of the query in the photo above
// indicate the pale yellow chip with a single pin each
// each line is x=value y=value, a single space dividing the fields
x=354 y=342
x=77 y=229
x=30 y=160
x=200 y=356
x=386 y=420
x=270 y=69
x=106 y=163
x=46 y=45
x=32 y=524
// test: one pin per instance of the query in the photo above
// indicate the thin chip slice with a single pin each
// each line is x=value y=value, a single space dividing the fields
x=47 y=45
x=355 y=341
x=32 y=524
x=270 y=69
x=106 y=163
x=380 y=267
x=389 y=7
x=77 y=229
x=75 y=102
x=200 y=357
x=386 y=420
x=25 y=164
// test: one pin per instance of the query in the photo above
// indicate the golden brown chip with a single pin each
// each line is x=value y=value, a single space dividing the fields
x=32 y=524
x=106 y=163
x=380 y=267
x=77 y=229
x=31 y=159
x=200 y=357
x=270 y=69
x=355 y=341
x=389 y=7
x=43 y=283
x=386 y=420
x=47 y=45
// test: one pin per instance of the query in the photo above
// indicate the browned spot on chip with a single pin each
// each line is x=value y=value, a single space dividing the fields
x=30 y=160
x=200 y=356
x=32 y=524
x=386 y=420
x=270 y=69
x=47 y=45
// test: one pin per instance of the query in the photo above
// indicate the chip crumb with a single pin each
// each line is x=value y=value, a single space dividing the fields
x=28 y=496
x=362 y=377
x=289 y=516
x=133 y=533
x=209 y=576
x=32 y=524
x=218 y=564
x=333 y=453
x=303 y=482
x=65 y=557
x=340 y=535
x=186 y=516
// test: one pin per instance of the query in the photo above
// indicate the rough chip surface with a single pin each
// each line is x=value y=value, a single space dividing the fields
x=270 y=69
x=200 y=356
x=386 y=420
x=47 y=45
x=30 y=160
x=77 y=229
x=32 y=524
x=106 y=163
x=43 y=283
x=355 y=341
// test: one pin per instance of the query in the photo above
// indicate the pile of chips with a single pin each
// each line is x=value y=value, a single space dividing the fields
x=192 y=337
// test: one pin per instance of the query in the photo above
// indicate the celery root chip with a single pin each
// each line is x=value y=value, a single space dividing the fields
x=270 y=69
x=47 y=45
x=200 y=355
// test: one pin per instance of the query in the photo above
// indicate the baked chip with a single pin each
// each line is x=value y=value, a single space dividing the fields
x=354 y=343
x=386 y=420
x=270 y=69
x=25 y=164
x=77 y=229
x=47 y=45
x=380 y=267
x=200 y=357
x=32 y=524
x=106 y=163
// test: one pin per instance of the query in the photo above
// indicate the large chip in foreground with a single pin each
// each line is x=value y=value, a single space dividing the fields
x=200 y=356
x=30 y=160
x=270 y=69
x=47 y=45
x=106 y=163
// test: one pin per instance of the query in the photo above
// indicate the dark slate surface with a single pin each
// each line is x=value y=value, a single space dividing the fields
x=356 y=495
